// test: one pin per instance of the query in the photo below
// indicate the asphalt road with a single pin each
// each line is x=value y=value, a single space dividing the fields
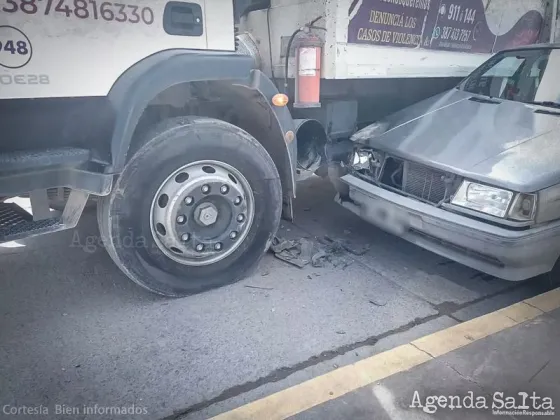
x=75 y=333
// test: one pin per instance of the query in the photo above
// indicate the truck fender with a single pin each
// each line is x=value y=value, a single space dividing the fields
x=141 y=83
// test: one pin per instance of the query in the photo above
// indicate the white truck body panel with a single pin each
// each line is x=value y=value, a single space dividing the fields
x=68 y=55
x=405 y=35
x=78 y=48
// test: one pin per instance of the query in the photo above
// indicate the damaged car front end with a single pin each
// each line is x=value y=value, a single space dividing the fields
x=472 y=174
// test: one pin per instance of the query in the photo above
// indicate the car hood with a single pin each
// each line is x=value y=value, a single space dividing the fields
x=508 y=144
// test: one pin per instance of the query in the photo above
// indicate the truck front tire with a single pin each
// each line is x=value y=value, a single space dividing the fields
x=196 y=207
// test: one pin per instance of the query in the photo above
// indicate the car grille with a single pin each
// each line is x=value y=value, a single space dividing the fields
x=423 y=182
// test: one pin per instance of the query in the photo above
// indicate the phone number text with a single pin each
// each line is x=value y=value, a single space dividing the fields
x=455 y=34
x=83 y=9
x=458 y=14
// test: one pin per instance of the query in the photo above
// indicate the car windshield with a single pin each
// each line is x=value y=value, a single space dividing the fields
x=530 y=76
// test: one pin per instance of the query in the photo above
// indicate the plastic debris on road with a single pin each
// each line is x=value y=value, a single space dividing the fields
x=302 y=252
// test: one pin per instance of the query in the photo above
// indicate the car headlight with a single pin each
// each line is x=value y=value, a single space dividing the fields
x=482 y=198
x=366 y=159
x=360 y=159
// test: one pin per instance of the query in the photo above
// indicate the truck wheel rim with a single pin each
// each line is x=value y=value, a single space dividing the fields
x=202 y=213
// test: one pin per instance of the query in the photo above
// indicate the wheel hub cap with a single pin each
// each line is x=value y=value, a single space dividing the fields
x=206 y=214
x=202 y=213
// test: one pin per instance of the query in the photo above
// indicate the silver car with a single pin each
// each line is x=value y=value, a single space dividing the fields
x=472 y=174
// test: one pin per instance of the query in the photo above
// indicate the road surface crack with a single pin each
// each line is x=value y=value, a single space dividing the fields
x=539 y=371
x=284 y=372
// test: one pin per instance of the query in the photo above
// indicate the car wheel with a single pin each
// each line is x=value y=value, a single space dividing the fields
x=196 y=207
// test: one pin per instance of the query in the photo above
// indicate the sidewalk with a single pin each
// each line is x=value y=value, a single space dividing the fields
x=504 y=364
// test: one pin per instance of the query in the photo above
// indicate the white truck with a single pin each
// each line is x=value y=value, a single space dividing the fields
x=174 y=115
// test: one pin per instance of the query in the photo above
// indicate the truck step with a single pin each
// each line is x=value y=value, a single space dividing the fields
x=16 y=223
x=35 y=159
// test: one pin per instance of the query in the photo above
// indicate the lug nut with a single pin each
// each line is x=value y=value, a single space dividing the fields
x=200 y=248
x=233 y=235
x=205 y=189
x=224 y=189
x=237 y=201
x=240 y=218
x=218 y=246
x=181 y=219
x=185 y=237
x=189 y=200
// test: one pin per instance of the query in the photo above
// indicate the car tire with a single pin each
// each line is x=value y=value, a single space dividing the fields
x=130 y=217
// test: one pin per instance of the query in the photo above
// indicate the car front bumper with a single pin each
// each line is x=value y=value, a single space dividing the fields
x=508 y=254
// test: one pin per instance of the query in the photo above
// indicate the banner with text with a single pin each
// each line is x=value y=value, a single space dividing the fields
x=451 y=25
